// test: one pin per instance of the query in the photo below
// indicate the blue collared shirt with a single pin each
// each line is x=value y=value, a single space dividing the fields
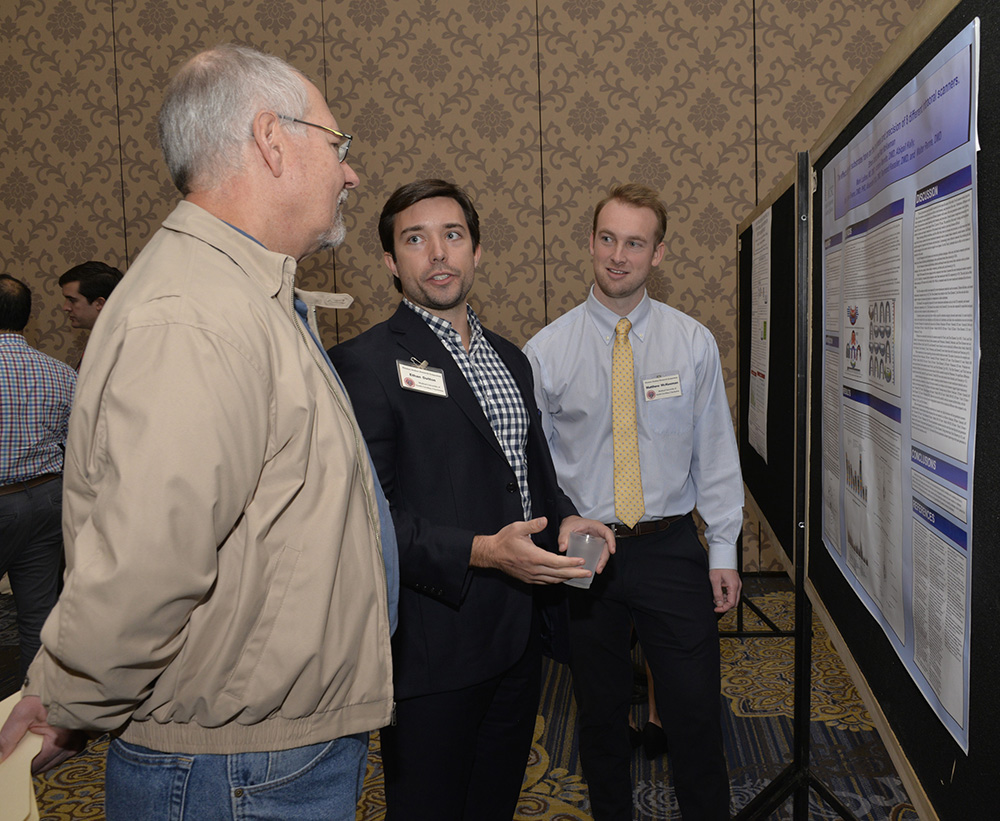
x=36 y=395
x=494 y=387
x=687 y=449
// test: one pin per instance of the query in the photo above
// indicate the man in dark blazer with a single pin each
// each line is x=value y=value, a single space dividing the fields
x=448 y=412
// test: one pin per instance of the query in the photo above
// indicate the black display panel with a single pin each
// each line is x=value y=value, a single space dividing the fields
x=771 y=483
x=957 y=785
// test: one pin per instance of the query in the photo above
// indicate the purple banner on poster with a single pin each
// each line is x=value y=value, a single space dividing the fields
x=944 y=188
x=875 y=403
x=942 y=525
x=927 y=125
x=890 y=212
x=939 y=467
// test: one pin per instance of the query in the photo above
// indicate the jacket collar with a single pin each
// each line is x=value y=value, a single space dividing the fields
x=267 y=269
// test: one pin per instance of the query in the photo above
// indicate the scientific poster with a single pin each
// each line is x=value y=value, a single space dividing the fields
x=760 y=319
x=900 y=370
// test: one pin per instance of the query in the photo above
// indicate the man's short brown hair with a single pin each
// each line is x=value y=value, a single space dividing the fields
x=641 y=196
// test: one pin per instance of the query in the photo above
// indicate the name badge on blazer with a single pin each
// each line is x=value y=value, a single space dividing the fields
x=417 y=376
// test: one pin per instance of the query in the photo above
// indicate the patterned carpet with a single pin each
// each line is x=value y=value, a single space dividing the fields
x=847 y=755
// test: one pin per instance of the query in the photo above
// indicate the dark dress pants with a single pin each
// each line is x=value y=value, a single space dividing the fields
x=31 y=554
x=659 y=583
x=461 y=755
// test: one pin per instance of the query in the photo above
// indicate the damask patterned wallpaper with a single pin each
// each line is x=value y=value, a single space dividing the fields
x=537 y=107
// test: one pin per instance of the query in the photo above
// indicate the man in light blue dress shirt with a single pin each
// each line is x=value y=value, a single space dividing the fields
x=661 y=578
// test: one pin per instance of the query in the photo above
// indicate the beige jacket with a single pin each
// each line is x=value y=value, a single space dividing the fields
x=225 y=587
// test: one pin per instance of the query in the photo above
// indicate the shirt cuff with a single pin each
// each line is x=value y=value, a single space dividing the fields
x=722 y=557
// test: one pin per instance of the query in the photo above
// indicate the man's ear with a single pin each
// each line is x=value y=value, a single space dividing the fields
x=658 y=254
x=98 y=303
x=390 y=263
x=591 y=246
x=270 y=139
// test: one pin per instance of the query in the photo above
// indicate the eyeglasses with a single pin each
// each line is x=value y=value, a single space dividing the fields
x=341 y=147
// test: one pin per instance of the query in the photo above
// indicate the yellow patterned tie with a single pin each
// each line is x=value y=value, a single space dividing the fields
x=629 y=505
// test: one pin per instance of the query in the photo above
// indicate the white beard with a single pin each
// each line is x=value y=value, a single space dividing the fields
x=336 y=233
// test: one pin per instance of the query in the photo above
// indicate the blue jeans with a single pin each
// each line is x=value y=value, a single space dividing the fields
x=321 y=782
x=31 y=550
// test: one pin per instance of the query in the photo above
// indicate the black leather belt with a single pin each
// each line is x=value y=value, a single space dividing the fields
x=17 y=487
x=623 y=531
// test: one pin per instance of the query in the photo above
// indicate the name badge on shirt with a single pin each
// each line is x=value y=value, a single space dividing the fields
x=661 y=387
x=421 y=379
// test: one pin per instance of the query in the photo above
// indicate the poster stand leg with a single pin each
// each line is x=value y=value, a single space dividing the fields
x=796 y=779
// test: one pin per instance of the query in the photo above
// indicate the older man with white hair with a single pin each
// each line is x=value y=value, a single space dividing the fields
x=231 y=578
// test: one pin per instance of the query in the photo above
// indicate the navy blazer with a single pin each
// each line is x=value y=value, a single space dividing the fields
x=447 y=479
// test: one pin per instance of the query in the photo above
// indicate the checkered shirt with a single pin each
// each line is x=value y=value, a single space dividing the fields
x=495 y=390
x=36 y=394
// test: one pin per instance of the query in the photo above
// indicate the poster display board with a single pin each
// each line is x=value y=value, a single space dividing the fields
x=900 y=363
x=760 y=317
x=767 y=368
